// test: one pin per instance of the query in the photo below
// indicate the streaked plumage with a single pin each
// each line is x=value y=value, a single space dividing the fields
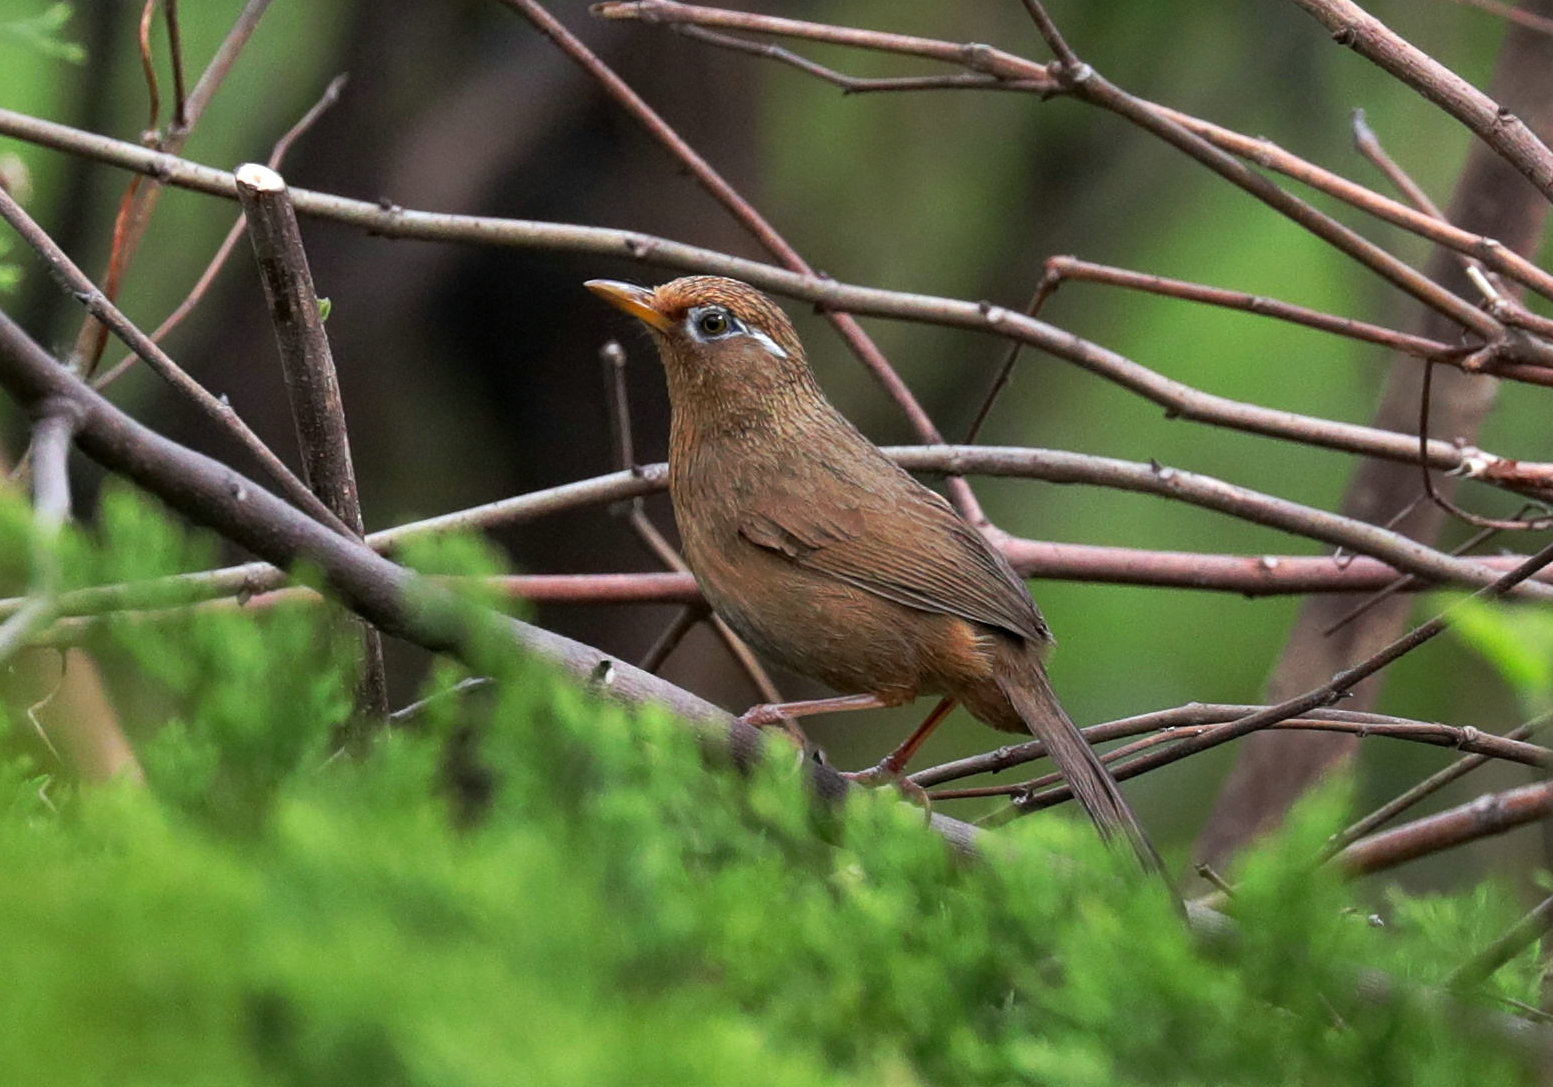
x=823 y=553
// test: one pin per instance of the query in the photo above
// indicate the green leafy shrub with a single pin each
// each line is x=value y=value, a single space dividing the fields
x=530 y=886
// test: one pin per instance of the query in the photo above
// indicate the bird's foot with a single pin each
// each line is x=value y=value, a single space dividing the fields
x=888 y=774
x=771 y=716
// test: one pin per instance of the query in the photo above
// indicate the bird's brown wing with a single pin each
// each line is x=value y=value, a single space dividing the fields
x=907 y=545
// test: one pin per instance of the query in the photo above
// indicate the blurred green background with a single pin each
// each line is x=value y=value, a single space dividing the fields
x=471 y=374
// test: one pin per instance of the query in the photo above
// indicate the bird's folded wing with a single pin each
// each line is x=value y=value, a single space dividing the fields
x=915 y=551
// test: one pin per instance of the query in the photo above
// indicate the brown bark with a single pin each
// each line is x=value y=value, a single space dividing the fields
x=1275 y=768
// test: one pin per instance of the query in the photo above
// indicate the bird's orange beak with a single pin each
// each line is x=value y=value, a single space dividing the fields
x=639 y=302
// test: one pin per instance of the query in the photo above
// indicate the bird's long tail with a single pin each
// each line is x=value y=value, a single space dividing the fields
x=1036 y=703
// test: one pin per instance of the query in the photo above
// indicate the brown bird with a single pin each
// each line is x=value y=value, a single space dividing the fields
x=829 y=558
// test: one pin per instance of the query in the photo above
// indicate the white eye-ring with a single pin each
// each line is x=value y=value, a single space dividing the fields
x=715 y=323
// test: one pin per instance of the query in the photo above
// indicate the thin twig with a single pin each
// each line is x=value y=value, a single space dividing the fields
x=1404 y=583
x=1043 y=290
x=148 y=70
x=1173 y=725
x=72 y=280
x=1529 y=19
x=1369 y=145
x=1421 y=347
x=860 y=343
x=1018 y=73
x=1516 y=939
x=857 y=84
x=1425 y=789
x=1496 y=126
x=672 y=635
x=1497 y=524
x=233 y=236
x=175 y=61
x=141 y=195
x=1179 y=400
x=1320 y=696
x=405 y=714
x=57 y=420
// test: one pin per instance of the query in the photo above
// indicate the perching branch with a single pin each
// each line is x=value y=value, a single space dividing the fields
x=1172 y=725
x=391 y=597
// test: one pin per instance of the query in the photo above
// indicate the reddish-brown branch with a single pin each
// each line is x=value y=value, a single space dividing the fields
x=1271 y=771
x=1024 y=74
x=141 y=196
x=1496 y=126
x=1179 y=400
x=1249 y=575
x=208 y=276
x=1317 y=697
x=861 y=344
x=74 y=281
x=1531 y=20
x=1484 y=817
x=1173 y=725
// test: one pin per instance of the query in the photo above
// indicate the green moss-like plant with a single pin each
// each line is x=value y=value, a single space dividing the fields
x=532 y=886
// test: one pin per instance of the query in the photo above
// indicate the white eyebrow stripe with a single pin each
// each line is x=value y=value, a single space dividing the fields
x=740 y=328
x=765 y=341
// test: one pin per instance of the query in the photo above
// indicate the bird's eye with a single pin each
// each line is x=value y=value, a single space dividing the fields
x=713 y=323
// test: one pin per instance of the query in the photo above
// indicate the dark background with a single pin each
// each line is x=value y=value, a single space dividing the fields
x=471 y=373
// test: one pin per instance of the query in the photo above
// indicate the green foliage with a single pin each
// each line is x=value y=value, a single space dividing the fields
x=1517 y=642
x=43 y=34
x=530 y=886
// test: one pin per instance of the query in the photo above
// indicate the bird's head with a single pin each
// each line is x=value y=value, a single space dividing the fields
x=725 y=346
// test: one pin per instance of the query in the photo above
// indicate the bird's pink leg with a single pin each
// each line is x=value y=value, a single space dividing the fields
x=773 y=713
x=894 y=764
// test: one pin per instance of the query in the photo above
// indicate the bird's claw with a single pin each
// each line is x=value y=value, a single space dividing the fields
x=885 y=774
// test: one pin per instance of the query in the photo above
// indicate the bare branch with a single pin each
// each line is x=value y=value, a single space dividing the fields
x=861 y=344
x=1483 y=817
x=1426 y=788
x=1066 y=267
x=1180 y=400
x=312 y=385
x=1246 y=575
x=141 y=196
x=56 y=423
x=1317 y=697
x=1173 y=725
x=1496 y=126
x=196 y=293
x=175 y=61
x=74 y=281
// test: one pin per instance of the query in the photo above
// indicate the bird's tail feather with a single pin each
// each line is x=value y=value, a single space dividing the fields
x=1092 y=784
